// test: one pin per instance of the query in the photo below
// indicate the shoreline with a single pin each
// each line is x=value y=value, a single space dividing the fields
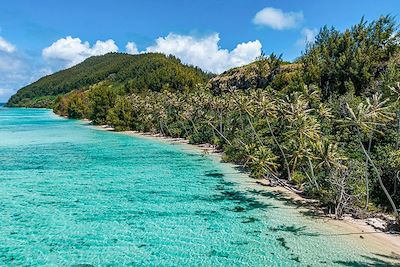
x=361 y=231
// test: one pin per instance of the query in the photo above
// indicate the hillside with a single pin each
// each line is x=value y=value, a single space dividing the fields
x=258 y=74
x=327 y=124
x=150 y=71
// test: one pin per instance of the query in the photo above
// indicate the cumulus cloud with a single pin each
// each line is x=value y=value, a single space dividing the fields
x=308 y=36
x=5 y=94
x=131 y=48
x=277 y=19
x=13 y=73
x=10 y=63
x=18 y=69
x=25 y=71
x=205 y=52
x=101 y=48
x=6 y=46
x=72 y=51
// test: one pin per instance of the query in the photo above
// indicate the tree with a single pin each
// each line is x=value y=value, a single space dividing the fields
x=340 y=62
x=268 y=109
x=262 y=160
x=367 y=118
x=302 y=132
x=101 y=98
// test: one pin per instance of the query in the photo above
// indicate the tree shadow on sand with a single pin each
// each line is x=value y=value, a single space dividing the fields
x=377 y=260
x=308 y=208
x=295 y=230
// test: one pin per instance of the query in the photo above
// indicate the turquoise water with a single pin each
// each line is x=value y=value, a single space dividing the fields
x=73 y=195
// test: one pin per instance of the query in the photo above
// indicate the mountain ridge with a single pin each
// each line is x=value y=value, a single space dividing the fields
x=150 y=71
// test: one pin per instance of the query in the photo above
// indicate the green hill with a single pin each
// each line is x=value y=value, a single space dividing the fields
x=150 y=71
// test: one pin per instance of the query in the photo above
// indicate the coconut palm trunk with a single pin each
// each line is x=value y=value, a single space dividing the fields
x=254 y=130
x=367 y=173
x=398 y=130
x=311 y=166
x=220 y=123
x=280 y=149
x=223 y=136
x=395 y=211
x=397 y=179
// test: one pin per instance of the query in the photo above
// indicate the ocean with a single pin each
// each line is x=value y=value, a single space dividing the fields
x=72 y=195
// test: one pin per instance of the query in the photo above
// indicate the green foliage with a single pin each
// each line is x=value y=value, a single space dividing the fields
x=150 y=71
x=339 y=62
x=121 y=114
x=76 y=106
x=261 y=160
x=102 y=98
x=328 y=124
x=38 y=102
x=299 y=178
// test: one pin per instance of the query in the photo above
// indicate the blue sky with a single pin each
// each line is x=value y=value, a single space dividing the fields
x=38 y=39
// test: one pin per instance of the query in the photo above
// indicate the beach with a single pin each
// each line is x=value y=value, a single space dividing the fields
x=360 y=231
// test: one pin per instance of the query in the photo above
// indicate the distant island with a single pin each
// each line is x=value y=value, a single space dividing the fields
x=327 y=125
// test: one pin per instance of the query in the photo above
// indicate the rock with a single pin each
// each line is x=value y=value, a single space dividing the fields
x=393 y=227
x=377 y=223
x=264 y=183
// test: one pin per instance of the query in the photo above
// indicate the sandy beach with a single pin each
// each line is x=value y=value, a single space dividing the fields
x=382 y=245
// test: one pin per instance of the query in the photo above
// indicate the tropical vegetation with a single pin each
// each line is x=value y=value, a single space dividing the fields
x=152 y=71
x=327 y=124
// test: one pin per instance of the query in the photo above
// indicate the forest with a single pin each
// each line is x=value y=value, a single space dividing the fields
x=327 y=124
x=151 y=71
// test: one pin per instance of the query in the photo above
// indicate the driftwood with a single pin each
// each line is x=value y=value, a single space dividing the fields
x=278 y=181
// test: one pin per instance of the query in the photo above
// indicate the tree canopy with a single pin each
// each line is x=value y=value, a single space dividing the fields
x=152 y=71
x=327 y=124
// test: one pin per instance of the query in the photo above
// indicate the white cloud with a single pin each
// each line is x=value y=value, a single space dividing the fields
x=202 y=52
x=131 y=48
x=6 y=46
x=72 y=51
x=19 y=69
x=308 y=36
x=101 y=48
x=277 y=19
x=205 y=52
x=5 y=94
x=10 y=63
x=16 y=70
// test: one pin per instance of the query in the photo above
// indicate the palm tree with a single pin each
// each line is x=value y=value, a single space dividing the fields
x=367 y=118
x=245 y=106
x=262 y=160
x=188 y=114
x=329 y=156
x=268 y=108
x=219 y=105
x=161 y=116
x=302 y=132
x=395 y=90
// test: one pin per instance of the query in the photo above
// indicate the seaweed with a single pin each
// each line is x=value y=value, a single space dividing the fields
x=238 y=209
x=282 y=242
x=250 y=220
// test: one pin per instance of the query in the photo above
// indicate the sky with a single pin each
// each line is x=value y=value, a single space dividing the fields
x=41 y=37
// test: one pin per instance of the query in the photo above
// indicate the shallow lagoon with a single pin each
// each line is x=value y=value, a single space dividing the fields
x=71 y=195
